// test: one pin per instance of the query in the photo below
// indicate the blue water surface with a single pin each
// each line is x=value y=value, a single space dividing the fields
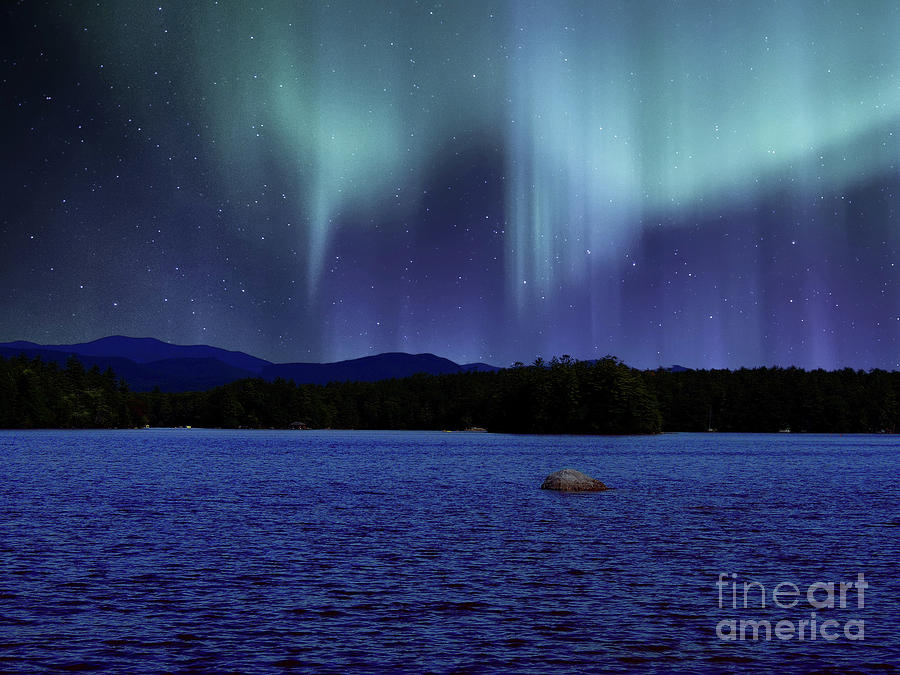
x=268 y=551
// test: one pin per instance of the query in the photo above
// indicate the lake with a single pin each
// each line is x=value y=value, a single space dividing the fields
x=263 y=551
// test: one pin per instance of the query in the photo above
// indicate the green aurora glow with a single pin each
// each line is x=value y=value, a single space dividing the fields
x=609 y=118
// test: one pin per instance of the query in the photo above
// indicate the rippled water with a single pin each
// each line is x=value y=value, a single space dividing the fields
x=180 y=550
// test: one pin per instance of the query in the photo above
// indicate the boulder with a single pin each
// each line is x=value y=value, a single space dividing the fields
x=570 y=480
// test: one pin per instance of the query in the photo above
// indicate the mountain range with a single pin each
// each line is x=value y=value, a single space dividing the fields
x=147 y=363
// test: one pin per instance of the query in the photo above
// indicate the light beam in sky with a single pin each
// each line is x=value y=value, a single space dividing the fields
x=711 y=183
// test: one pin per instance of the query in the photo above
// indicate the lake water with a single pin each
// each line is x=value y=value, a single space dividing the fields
x=263 y=551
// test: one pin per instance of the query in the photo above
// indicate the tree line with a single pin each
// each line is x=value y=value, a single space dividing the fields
x=559 y=396
x=778 y=399
x=37 y=394
x=563 y=396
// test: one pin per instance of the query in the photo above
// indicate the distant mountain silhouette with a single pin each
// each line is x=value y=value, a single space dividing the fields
x=479 y=368
x=147 y=363
x=366 y=369
x=124 y=368
x=148 y=350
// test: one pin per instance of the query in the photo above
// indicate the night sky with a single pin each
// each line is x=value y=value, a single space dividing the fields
x=709 y=184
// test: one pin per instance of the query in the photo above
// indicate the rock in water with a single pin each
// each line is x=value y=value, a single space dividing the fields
x=570 y=480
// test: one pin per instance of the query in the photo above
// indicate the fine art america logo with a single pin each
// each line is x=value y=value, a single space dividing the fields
x=752 y=596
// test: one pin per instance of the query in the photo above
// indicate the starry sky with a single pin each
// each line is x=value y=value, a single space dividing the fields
x=712 y=184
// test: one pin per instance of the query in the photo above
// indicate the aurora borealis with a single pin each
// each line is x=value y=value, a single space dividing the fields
x=704 y=183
